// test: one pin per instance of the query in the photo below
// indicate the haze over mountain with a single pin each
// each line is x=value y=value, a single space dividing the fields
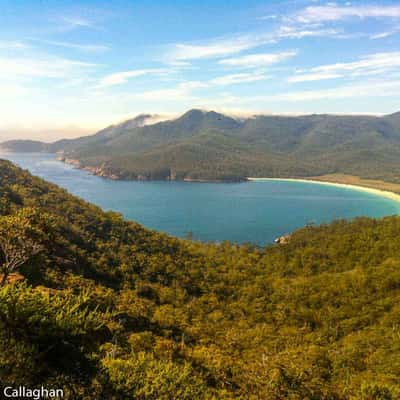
x=206 y=145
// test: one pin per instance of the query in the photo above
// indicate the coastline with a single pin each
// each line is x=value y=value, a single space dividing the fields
x=105 y=172
x=331 y=180
x=338 y=180
x=383 y=193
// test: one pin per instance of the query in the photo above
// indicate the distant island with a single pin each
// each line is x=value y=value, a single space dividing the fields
x=209 y=146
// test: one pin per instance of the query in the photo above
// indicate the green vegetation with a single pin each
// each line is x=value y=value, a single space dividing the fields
x=212 y=146
x=110 y=310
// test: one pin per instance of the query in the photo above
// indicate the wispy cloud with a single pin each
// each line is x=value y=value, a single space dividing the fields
x=385 y=34
x=92 y=48
x=84 y=20
x=333 y=12
x=43 y=67
x=379 y=88
x=372 y=64
x=313 y=77
x=387 y=60
x=77 y=22
x=118 y=78
x=214 y=48
x=178 y=63
x=233 y=79
x=223 y=47
x=13 y=45
x=186 y=90
x=258 y=60
x=299 y=32
x=268 y=17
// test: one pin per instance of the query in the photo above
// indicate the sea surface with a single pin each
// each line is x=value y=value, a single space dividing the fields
x=255 y=212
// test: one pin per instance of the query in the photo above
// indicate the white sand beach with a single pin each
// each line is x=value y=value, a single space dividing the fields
x=384 y=193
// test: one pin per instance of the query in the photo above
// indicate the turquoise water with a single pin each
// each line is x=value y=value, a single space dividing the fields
x=255 y=212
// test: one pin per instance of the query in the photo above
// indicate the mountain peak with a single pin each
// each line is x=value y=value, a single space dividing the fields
x=196 y=119
x=138 y=121
x=199 y=112
x=193 y=113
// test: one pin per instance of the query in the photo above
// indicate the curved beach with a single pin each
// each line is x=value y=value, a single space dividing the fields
x=383 y=193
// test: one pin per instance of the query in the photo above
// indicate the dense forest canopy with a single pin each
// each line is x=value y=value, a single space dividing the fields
x=213 y=146
x=107 y=309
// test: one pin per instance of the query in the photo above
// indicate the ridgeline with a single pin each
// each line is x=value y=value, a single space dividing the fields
x=210 y=146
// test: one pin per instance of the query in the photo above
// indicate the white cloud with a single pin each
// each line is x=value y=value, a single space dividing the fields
x=267 y=17
x=312 y=77
x=377 y=60
x=41 y=67
x=383 y=88
x=119 y=78
x=177 y=63
x=184 y=90
x=258 y=60
x=292 y=32
x=333 y=12
x=223 y=47
x=378 y=88
x=233 y=79
x=214 y=48
x=385 y=34
x=13 y=45
x=93 y=48
x=77 y=22
x=373 y=64
x=191 y=85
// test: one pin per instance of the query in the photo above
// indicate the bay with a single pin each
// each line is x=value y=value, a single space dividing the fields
x=255 y=212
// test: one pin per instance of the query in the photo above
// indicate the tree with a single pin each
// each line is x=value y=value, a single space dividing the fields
x=19 y=241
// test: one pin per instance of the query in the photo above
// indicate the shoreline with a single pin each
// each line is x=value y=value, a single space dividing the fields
x=313 y=180
x=102 y=172
x=383 y=193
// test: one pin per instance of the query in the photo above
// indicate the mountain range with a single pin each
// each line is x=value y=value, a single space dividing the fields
x=206 y=145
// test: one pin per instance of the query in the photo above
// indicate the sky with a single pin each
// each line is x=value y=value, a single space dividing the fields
x=69 y=68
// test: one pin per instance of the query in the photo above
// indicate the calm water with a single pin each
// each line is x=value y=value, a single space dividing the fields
x=255 y=212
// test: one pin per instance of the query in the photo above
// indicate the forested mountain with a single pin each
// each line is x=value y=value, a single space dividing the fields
x=208 y=145
x=107 y=309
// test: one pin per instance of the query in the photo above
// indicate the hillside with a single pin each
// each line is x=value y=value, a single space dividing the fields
x=212 y=146
x=109 y=310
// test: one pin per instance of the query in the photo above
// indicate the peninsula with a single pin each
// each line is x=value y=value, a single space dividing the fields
x=209 y=146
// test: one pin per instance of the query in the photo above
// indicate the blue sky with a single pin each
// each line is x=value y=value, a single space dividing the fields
x=72 y=67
